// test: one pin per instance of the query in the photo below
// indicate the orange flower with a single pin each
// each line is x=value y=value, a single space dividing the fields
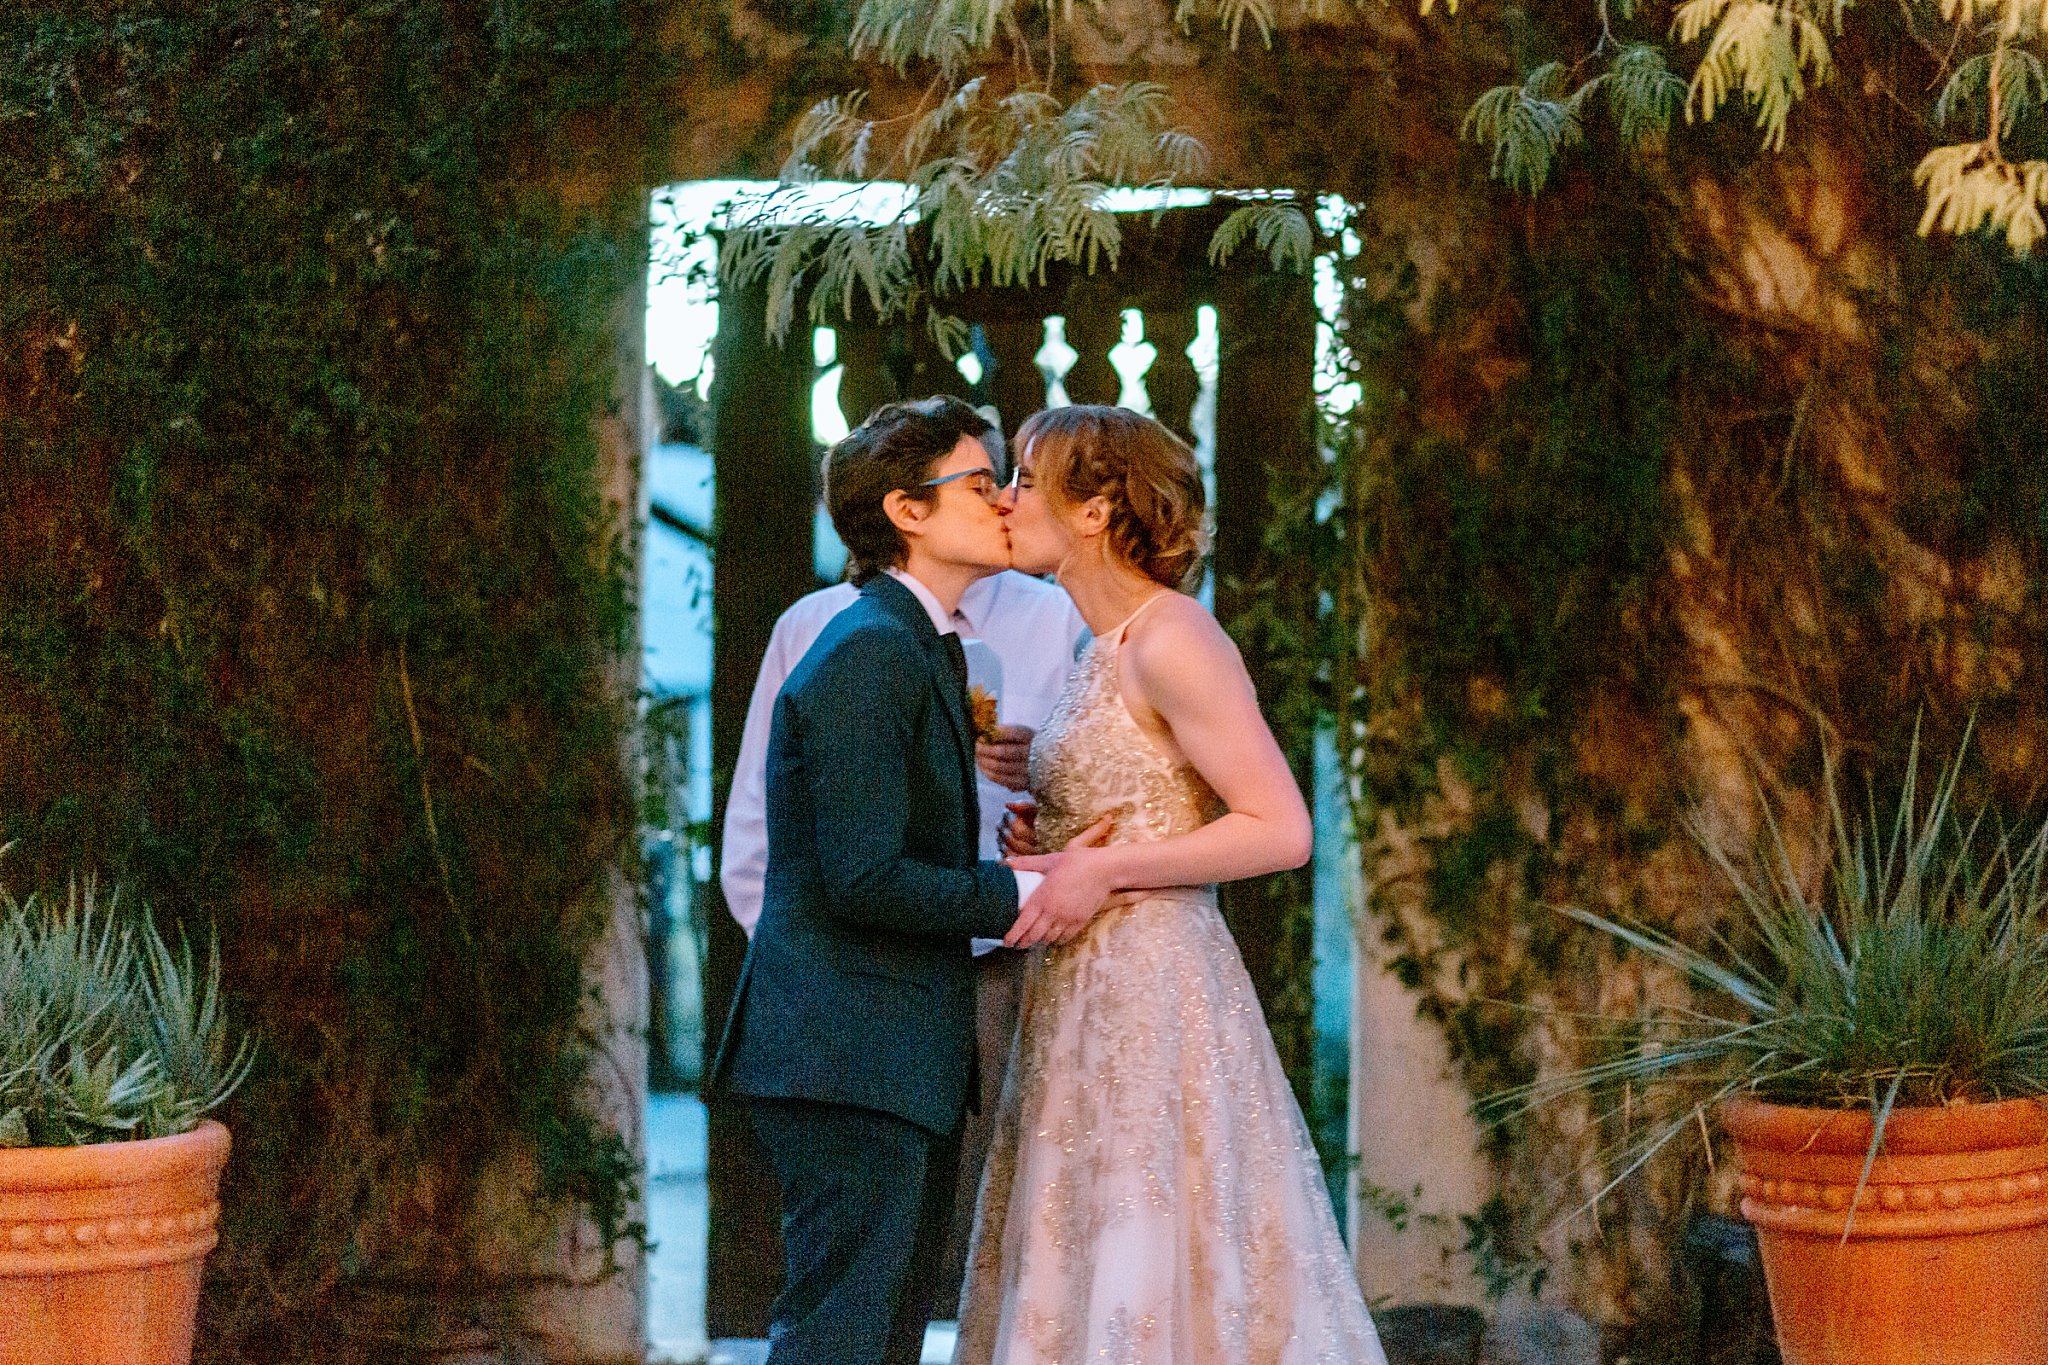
x=981 y=708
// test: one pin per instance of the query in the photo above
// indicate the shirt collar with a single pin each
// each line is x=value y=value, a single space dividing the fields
x=977 y=603
x=941 y=622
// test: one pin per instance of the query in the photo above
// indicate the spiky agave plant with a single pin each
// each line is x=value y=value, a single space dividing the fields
x=106 y=1032
x=1912 y=971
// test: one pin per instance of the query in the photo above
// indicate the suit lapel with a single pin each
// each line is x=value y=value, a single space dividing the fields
x=903 y=604
x=963 y=733
x=951 y=698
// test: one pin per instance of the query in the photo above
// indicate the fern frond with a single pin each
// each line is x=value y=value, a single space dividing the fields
x=829 y=120
x=2022 y=87
x=1970 y=187
x=2017 y=19
x=1181 y=154
x=1527 y=125
x=1772 y=52
x=949 y=33
x=1235 y=14
x=949 y=333
x=1004 y=185
x=1280 y=228
x=1642 y=92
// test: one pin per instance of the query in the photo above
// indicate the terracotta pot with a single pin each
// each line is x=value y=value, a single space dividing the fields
x=1946 y=1259
x=101 y=1247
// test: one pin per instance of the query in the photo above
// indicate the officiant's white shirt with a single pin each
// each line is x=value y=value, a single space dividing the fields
x=1031 y=628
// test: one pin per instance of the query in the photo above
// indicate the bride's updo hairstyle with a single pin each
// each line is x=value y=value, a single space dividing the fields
x=1148 y=474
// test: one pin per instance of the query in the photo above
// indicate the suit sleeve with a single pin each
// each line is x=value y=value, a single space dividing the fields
x=859 y=712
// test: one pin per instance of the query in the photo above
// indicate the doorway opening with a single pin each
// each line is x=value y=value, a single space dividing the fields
x=680 y=559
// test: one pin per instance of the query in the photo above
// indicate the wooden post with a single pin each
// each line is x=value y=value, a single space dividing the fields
x=764 y=477
x=865 y=382
x=1017 y=386
x=1268 y=470
x=1094 y=326
x=1172 y=383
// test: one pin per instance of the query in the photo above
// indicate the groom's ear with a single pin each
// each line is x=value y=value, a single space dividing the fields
x=905 y=513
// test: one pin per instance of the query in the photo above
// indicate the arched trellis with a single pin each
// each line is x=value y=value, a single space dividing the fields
x=1267 y=470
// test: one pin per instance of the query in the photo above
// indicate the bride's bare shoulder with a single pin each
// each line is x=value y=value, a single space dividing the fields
x=1180 y=636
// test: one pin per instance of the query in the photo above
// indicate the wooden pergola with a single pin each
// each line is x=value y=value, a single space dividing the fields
x=1267 y=465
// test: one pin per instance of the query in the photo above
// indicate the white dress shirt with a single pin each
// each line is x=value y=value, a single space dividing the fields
x=1030 y=629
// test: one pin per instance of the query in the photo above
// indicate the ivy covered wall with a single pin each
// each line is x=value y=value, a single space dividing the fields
x=311 y=596
x=308 y=591
x=1660 y=483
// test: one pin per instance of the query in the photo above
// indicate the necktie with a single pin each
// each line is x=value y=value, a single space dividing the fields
x=956 y=655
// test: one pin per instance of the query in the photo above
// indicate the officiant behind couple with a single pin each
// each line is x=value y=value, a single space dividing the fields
x=1151 y=1192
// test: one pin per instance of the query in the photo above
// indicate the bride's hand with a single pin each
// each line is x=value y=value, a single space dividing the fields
x=1017 y=836
x=1074 y=891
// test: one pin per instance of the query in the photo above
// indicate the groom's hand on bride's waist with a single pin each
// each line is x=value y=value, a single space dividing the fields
x=1073 y=893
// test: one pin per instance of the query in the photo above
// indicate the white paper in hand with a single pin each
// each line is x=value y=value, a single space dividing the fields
x=984 y=668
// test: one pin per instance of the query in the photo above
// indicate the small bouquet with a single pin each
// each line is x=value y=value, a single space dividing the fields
x=981 y=709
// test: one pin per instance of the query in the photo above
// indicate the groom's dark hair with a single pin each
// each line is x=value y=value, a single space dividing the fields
x=895 y=448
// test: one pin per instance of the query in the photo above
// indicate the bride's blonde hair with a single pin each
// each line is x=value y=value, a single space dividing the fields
x=1147 y=473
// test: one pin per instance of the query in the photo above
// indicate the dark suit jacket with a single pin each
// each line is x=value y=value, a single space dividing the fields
x=858 y=987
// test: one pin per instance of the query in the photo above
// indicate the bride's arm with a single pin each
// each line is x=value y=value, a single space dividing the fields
x=1187 y=671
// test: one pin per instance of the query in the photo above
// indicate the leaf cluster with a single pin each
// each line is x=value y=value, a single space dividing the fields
x=1004 y=174
x=1913 y=970
x=108 y=1033
x=1000 y=186
x=953 y=34
x=1769 y=55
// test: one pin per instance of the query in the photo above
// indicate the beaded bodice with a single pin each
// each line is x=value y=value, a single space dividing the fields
x=1091 y=759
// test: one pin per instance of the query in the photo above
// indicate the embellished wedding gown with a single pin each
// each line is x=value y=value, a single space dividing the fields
x=1151 y=1196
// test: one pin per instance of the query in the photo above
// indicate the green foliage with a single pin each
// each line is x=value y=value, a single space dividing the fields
x=2022 y=86
x=1527 y=125
x=1773 y=53
x=1518 y=566
x=1491 y=1240
x=954 y=33
x=1277 y=227
x=111 y=1035
x=1970 y=186
x=1505 y=556
x=1914 y=973
x=1642 y=93
x=1008 y=173
x=1004 y=220
x=1770 y=56
x=310 y=596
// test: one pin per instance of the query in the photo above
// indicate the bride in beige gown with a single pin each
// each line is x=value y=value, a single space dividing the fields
x=1151 y=1196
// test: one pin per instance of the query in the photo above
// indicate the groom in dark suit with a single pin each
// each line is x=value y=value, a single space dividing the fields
x=852 y=1030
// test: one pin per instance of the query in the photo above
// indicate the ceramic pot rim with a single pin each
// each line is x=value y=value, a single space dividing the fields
x=1847 y=1132
x=100 y=1165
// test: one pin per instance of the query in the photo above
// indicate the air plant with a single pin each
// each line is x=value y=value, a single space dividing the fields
x=1912 y=971
x=106 y=1032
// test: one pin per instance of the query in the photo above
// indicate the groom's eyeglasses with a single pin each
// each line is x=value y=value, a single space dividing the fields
x=981 y=481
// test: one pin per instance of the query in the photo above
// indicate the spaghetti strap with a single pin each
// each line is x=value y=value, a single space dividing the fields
x=1117 y=632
